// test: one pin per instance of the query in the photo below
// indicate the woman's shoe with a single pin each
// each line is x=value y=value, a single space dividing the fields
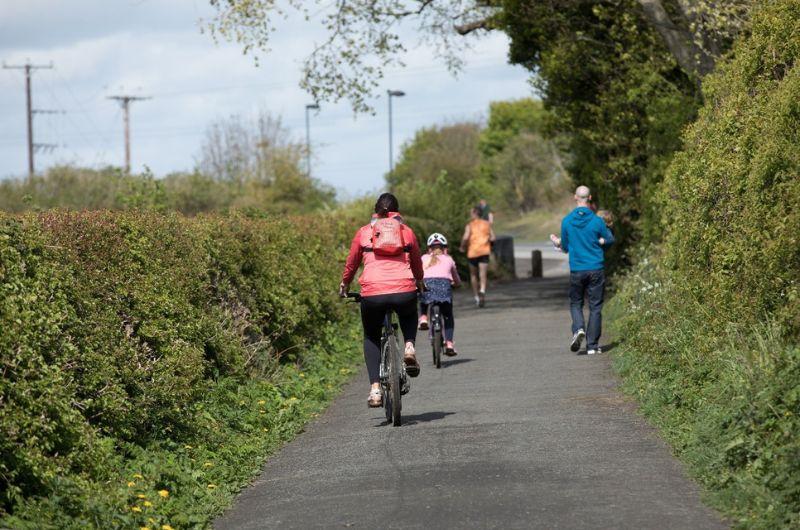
x=375 y=398
x=410 y=360
x=423 y=322
x=450 y=349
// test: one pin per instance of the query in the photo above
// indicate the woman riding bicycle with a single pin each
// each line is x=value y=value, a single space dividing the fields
x=392 y=274
x=441 y=275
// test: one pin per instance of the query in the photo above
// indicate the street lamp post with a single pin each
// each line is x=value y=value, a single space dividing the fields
x=392 y=93
x=310 y=106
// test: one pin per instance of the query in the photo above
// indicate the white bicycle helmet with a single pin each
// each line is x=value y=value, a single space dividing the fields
x=437 y=239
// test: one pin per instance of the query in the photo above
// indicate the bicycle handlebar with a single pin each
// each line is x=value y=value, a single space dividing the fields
x=357 y=296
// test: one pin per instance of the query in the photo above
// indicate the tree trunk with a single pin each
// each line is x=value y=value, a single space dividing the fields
x=691 y=57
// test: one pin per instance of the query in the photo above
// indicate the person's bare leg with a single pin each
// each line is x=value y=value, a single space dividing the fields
x=484 y=273
x=473 y=279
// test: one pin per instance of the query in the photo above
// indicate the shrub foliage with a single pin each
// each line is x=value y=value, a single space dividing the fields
x=127 y=335
x=711 y=333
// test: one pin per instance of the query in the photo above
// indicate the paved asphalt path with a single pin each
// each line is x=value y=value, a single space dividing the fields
x=514 y=432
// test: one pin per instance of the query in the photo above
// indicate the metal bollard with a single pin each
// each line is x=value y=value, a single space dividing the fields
x=536 y=264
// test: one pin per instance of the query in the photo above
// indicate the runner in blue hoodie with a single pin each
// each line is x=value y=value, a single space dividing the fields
x=584 y=236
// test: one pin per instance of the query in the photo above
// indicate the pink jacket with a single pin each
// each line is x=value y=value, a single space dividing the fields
x=383 y=274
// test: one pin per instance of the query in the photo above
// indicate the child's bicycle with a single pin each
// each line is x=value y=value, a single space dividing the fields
x=393 y=378
x=437 y=333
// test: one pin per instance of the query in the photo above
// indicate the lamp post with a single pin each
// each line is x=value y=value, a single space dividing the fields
x=310 y=106
x=399 y=94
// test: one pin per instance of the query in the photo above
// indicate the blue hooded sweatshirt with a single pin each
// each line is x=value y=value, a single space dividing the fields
x=581 y=231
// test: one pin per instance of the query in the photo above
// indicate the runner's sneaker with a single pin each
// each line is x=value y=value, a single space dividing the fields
x=423 y=322
x=577 y=339
x=481 y=299
x=477 y=301
x=592 y=352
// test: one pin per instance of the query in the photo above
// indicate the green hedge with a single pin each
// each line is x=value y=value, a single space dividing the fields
x=136 y=341
x=710 y=323
x=732 y=196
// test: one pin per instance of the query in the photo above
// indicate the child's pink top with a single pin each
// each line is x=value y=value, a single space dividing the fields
x=445 y=267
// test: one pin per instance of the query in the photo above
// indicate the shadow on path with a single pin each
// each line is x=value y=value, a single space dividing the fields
x=454 y=362
x=413 y=419
x=610 y=346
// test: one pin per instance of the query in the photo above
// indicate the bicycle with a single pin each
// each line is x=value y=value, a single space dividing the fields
x=437 y=333
x=393 y=378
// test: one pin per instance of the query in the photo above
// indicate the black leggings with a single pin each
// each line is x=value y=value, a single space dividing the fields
x=373 y=312
x=446 y=309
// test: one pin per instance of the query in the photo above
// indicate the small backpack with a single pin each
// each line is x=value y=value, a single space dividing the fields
x=387 y=237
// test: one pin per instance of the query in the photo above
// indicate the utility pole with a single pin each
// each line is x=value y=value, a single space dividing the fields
x=312 y=106
x=390 y=94
x=29 y=68
x=125 y=102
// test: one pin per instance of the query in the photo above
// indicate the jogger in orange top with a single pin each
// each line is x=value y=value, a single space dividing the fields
x=477 y=243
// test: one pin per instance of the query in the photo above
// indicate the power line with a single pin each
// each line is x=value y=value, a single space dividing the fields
x=32 y=147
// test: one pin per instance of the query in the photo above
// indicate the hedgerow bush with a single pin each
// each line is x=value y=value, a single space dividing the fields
x=143 y=353
x=710 y=322
x=732 y=196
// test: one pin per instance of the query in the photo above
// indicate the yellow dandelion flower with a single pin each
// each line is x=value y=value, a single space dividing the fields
x=144 y=528
x=262 y=411
x=293 y=399
x=188 y=447
x=241 y=402
x=166 y=527
x=131 y=484
x=266 y=430
x=137 y=475
x=151 y=520
x=136 y=509
x=163 y=493
x=147 y=504
x=208 y=464
x=212 y=486
x=303 y=376
x=262 y=402
x=142 y=496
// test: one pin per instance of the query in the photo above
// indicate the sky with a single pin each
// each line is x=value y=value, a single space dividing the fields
x=155 y=48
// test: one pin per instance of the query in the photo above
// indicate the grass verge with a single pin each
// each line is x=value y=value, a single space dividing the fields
x=536 y=225
x=726 y=397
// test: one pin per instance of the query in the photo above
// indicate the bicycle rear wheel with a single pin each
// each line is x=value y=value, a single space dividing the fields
x=393 y=356
x=387 y=397
x=437 y=348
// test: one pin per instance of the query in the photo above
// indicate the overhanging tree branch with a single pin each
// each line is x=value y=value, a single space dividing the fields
x=469 y=27
x=691 y=57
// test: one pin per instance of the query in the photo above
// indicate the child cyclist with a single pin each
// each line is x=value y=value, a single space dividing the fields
x=441 y=276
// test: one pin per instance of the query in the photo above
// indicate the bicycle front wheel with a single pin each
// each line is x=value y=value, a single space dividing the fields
x=394 y=381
